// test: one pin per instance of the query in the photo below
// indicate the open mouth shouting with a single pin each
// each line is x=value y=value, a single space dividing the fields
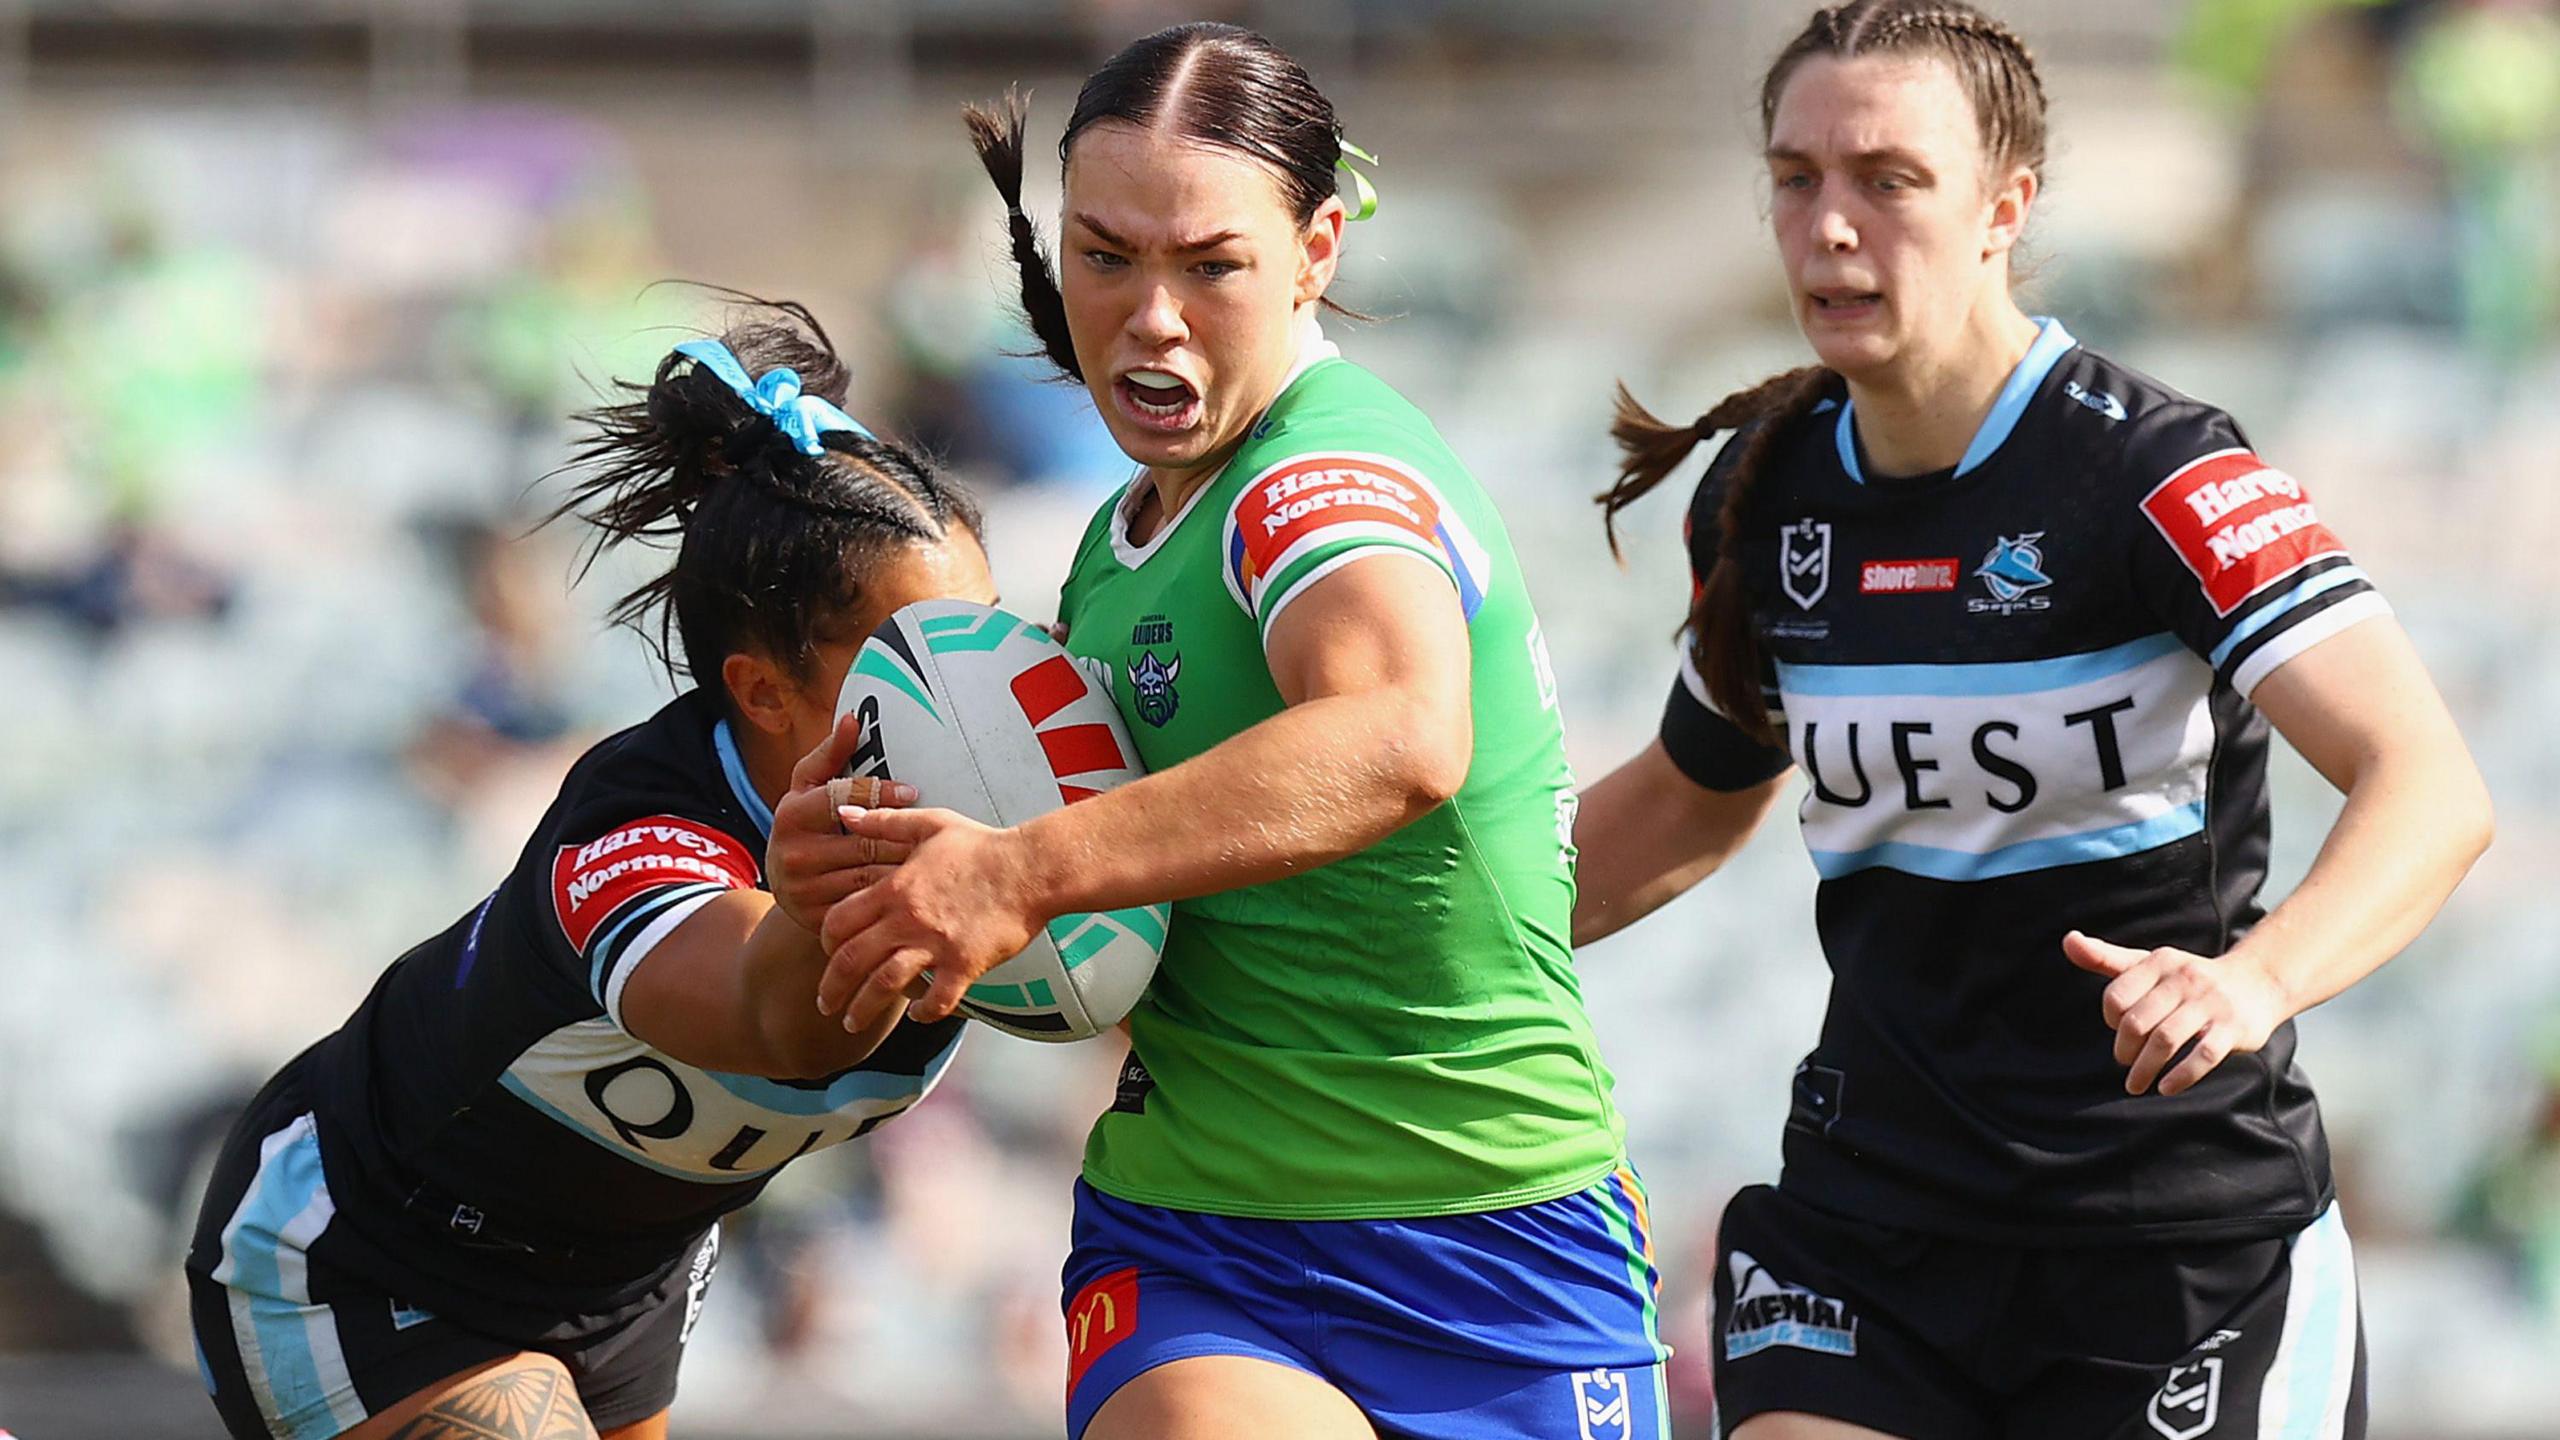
x=1842 y=303
x=1157 y=400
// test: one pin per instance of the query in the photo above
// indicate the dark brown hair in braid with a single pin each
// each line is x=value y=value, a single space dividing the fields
x=1999 y=76
x=1218 y=84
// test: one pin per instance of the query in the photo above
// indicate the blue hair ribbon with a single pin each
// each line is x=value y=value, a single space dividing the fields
x=776 y=396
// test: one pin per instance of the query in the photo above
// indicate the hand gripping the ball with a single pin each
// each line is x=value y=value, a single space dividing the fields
x=810 y=860
x=961 y=904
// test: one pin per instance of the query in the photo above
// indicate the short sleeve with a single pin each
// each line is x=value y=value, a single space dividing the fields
x=1303 y=518
x=1707 y=747
x=2232 y=554
x=631 y=882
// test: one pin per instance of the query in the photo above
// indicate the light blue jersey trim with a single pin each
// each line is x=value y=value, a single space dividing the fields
x=602 y=957
x=2005 y=677
x=1936 y=863
x=736 y=769
x=2320 y=584
x=2051 y=344
x=288 y=1182
x=842 y=1091
x=2323 y=1264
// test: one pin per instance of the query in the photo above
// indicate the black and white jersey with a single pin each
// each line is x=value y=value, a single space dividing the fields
x=2019 y=692
x=493 y=1136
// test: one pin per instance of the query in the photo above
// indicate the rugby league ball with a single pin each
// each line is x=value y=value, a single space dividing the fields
x=984 y=713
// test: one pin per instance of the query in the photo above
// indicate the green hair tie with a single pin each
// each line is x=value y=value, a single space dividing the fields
x=1360 y=185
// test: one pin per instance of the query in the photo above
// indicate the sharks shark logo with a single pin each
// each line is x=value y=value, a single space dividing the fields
x=2012 y=572
x=1151 y=680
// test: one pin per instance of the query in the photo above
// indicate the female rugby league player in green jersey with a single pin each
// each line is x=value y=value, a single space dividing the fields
x=1363 y=1172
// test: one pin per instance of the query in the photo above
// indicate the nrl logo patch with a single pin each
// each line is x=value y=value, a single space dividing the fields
x=2189 y=1401
x=1151 y=681
x=1603 y=1406
x=1804 y=561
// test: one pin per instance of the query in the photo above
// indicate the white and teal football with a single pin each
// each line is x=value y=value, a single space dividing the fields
x=984 y=713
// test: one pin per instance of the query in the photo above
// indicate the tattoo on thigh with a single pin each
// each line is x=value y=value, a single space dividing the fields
x=533 y=1402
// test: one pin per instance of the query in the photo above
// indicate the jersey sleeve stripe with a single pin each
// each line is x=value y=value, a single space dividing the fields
x=1276 y=582
x=2276 y=609
x=2314 y=627
x=1311 y=505
x=635 y=916
x=1321 y=568
x=618 y=974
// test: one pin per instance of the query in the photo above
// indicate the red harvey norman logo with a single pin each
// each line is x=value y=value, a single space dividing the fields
x=1908 y=577
x=2239 y=524
x=591 y=881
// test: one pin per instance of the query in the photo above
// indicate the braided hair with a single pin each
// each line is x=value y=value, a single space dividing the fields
x=769 y=542
x=1998 y=74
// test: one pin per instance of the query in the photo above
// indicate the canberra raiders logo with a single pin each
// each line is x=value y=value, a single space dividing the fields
x=1151 y=679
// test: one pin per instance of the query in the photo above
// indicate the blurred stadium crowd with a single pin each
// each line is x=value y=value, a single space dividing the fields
x=294 y=300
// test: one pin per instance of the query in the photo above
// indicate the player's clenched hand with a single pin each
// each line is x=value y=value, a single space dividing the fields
x=2159 y=1000
x=810 y=862
x=960 y=906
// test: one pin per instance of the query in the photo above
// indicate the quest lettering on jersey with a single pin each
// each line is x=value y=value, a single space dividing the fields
x=591 y=881
x=1838 y=764
x=2239 y=524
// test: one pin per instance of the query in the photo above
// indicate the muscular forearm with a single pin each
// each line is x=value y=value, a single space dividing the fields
x=2412 y=826
x=778 y=970
x=1316 y=782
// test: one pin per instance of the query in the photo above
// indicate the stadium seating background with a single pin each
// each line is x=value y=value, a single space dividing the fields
x=293 y=299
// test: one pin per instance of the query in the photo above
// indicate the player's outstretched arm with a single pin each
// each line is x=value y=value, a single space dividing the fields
x=1647 y=832
x=2360 y=708
x=729 y=990
x=1374 y=664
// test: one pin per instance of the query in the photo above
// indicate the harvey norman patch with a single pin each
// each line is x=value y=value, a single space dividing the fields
x=1309 y=501
x=591 y=881
x=2239 y=523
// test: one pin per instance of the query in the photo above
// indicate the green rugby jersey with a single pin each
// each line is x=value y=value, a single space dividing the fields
x=1398 y=1033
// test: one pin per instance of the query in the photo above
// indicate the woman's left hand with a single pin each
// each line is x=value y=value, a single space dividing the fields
x=959 y=906
x=2159 y=1000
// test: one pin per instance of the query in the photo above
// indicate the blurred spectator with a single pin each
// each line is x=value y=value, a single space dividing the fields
x=2481 y=80
x=2515 y=1202
x=494 y=751
x=135 y=574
